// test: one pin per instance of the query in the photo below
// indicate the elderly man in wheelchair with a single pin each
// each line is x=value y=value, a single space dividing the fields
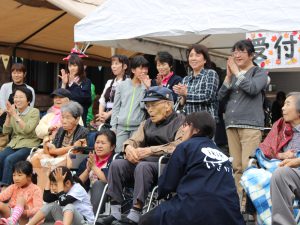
x=280 y=148
x=159 y=134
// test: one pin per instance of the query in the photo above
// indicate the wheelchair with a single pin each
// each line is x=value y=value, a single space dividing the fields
x=151 y=202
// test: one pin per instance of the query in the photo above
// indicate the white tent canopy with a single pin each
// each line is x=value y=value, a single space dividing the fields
x=172 y=25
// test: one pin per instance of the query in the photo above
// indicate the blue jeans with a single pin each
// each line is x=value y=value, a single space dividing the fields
x=8 y=158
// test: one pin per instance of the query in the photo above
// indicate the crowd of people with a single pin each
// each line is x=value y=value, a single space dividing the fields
x=136 y=119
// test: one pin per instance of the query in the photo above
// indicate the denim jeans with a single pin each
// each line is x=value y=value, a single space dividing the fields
x=8 y=158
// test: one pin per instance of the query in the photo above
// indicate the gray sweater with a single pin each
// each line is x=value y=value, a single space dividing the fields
x=244 y=99
x=128 y=110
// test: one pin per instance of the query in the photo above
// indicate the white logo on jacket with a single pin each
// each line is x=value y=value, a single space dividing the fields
x=215 y=158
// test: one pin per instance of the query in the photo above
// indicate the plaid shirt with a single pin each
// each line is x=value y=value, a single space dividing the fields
x=202 y=92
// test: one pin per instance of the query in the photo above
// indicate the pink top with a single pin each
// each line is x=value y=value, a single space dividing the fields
x=32 y=194
x=166 y=79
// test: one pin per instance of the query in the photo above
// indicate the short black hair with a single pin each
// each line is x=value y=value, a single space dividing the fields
x=202 y=121
x=26 y=168
x=26 y=91
x=111 y=136
x=244 y=45
x=138 y=61
x=164 y=57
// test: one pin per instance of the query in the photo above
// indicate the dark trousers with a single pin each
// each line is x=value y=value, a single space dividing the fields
x=8 y=158
x=123 y=173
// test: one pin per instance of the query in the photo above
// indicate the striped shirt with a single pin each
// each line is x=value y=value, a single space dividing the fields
x=202 y=92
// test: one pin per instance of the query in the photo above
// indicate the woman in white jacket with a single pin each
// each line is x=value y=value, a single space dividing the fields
x=18 y=74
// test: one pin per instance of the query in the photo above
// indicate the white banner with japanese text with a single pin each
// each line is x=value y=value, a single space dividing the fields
x=276 y=50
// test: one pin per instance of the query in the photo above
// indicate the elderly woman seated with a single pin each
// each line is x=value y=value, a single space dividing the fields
x=282 y=142
x=69 y=135
x=20 y=122
x=51 y=122
x=93 y=171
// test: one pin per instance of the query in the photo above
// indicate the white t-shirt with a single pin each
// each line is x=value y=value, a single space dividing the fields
x=107 y=85
x=83 y=204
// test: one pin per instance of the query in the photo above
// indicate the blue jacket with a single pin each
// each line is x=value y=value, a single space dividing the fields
x=202 y=178
x=174 y=80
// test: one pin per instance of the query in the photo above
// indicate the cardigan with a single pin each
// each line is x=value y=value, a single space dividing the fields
x=24 y=138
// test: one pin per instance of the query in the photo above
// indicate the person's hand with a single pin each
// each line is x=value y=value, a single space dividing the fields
x=132 y=154
x=58 y=175
x=104 y=116
x=289 y=154
x=11 y=109
x=91 y=161
x=64 y=76
x=46 y=140
x=232 y=66
x=144 y=152
x=294 y=163
x=80 y=143
x=145 y=80
x=180 y=89
x=159 y=79
x=51 y=129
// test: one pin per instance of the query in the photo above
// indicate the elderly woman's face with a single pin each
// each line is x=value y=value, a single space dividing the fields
x=20 y=100
x=68 y=121
x=196 y=60
x=60 y=101
x=102 y=146
x=289 y=111
x=157 y=110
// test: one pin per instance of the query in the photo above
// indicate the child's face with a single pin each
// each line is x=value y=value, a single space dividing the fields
x=54 y=187
x=21 y=179
x=140 y=72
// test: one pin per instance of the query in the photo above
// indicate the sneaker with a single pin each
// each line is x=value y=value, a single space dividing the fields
x=107 y=220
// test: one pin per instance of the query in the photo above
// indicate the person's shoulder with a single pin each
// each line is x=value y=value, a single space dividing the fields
x=35 y=188
x=256 y=70
x=29 y=87
x=77 y=188
x=210 y=72
x=83 y=129
x=124 y=83
x=108 y=82
x=180 y=117
x=34 y=110
x=6 y=85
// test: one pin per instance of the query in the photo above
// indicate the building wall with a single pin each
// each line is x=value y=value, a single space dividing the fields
x=285 y=81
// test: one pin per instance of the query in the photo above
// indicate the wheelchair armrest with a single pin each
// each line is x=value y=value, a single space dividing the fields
x=161 y=161
x=119 y=155
x=34 y=149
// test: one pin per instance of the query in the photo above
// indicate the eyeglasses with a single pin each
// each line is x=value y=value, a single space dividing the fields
x=236 y=53
x=153 y=104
